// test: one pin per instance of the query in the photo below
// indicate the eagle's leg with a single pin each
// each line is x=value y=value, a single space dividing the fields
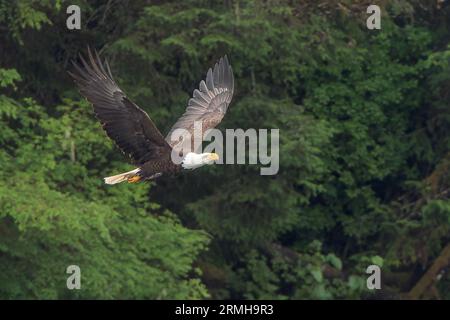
x=154 y=176
x=137 y=178
x=134 y=179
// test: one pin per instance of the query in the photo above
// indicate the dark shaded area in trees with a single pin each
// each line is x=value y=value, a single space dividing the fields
x=364 y=152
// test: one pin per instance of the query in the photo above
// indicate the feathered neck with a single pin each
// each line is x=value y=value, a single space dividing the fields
x=193 y=160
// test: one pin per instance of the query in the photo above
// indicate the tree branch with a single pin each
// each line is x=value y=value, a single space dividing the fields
x=431 y=276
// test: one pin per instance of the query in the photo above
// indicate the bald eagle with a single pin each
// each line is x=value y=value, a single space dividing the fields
x=134 y=132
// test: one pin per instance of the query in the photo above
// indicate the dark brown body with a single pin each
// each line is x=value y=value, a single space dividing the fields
x=155 y=168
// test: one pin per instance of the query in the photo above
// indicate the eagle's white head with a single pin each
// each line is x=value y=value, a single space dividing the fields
x=195 y=160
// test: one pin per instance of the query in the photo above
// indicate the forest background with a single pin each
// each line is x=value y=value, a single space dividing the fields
x=364 y=119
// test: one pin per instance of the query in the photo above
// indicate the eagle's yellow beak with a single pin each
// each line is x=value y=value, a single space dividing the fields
x=213 y=157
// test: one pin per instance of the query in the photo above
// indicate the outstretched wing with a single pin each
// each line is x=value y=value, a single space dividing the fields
x=209 y=103
x=124 y=122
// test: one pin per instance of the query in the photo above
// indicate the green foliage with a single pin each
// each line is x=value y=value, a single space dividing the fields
x=55 y=211
x=23 y=15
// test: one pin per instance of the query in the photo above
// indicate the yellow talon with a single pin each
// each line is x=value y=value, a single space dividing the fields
x=134 y=179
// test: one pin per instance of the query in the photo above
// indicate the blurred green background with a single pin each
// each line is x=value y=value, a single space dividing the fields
x=364 y=119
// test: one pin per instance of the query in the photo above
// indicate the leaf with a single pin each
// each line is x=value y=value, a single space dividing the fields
x=377 y=260
x=334 y=261
x=317 y=275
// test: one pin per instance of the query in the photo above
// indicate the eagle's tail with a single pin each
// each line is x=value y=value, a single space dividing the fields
x=130 y=176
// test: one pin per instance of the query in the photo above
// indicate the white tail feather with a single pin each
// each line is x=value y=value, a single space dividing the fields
x=121 y=177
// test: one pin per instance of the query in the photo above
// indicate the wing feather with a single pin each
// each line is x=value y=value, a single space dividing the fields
x=209 y=102
x=125 y=123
